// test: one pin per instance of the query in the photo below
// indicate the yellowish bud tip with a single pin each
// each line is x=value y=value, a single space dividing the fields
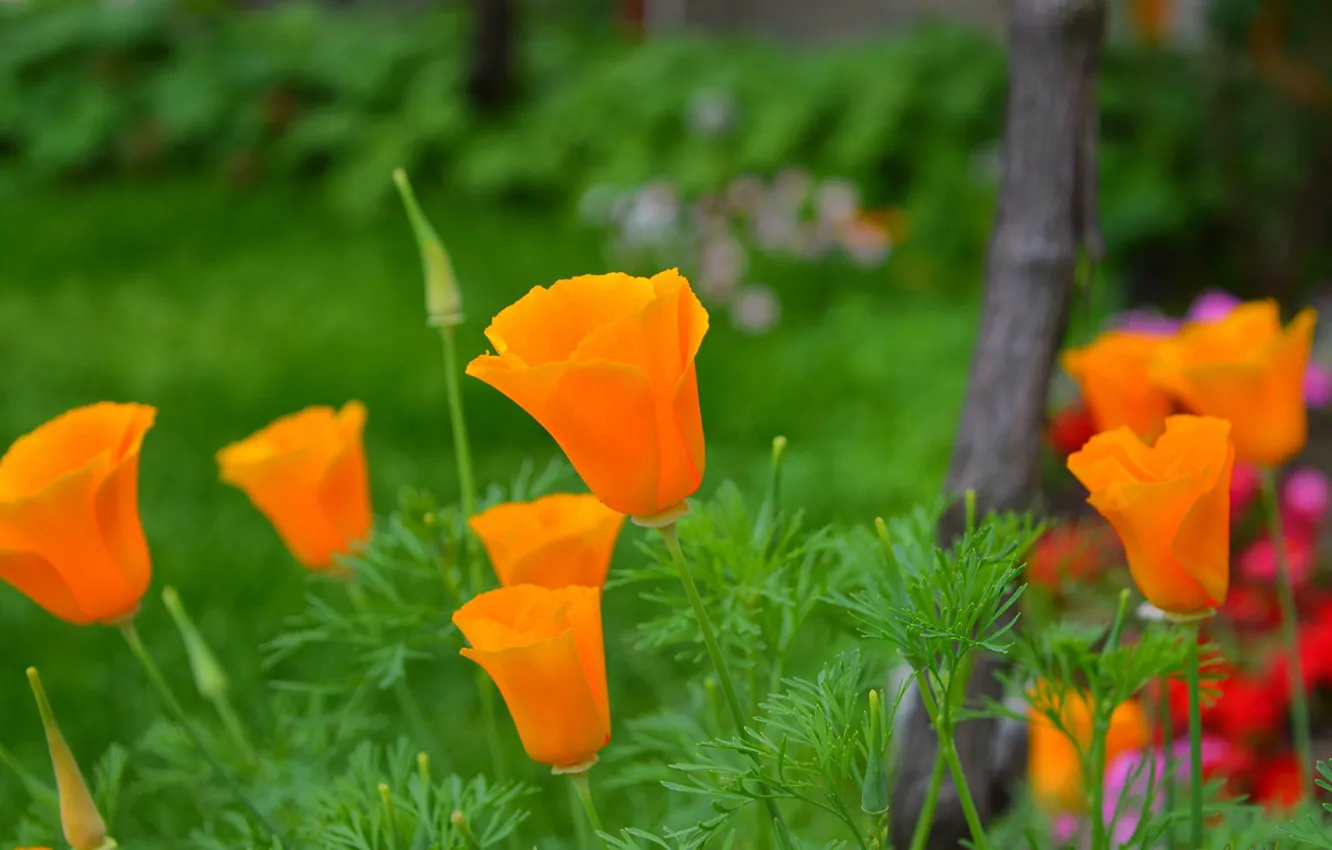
x=881 y=528
x=458 y=818
x=209 y=676
x=443 y=299
x=83 y=825
x=874 y=701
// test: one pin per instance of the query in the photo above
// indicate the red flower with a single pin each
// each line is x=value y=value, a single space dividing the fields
x=1315 y=644
x=1258 y=563
x=1081 y=550
x=1070 y=429
x=1248 y=709
x=1277 y=782
x=1252 y=608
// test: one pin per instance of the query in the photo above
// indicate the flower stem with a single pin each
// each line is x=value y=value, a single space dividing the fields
x=1168 y=742
x=1100 y=730
x=580 y=785
x=1195 y=742
x=949 y=749
x=1299 y=699
x=672 y=538
x=461 y=449
x=926 y=819
x=173 y=707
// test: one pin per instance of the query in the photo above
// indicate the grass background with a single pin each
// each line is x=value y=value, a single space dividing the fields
x=227 y=309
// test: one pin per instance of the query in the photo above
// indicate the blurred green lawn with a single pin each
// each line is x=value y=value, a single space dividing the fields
x=228 y=308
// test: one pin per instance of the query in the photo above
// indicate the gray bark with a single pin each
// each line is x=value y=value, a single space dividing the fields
x=1046 y=213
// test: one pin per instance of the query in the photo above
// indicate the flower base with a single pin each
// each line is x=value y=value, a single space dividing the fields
x=582 y=767
x=661 y=519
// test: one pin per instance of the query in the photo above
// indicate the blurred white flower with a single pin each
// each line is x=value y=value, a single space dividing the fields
x=653 y=215
x=791 y=186
x=721 y=264
x=711 y=113
x=755 y=309
x=837 y=200
x=745 y=194
x=867 y=237
x=775 y=226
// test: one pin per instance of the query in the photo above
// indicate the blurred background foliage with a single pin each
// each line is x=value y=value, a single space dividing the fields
x=196 y=212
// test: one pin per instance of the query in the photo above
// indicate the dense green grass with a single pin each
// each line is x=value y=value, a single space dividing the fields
x=226 y=309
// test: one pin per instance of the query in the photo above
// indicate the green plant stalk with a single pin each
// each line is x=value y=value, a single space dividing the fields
x=941 y=715
x=1299 y=698
x=581 y=834
x=231 y=722
x=462 y=451
x=131 y=635
x=672 y=538
x=1101 y=714
x=949 y=749
x=1168 y=741
x=580 y=785
x=1195 y=742
x=925 y=822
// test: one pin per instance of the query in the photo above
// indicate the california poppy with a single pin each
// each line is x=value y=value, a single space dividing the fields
x=1170 y=504
x=1055 y=760
x=1113 y=373
x=70 y=537
x=605 y=363
x=544 y=650
x=554 y=541
x=306 y=473
x=1244 y=368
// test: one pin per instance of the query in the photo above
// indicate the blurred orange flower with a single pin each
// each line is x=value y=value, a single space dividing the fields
x=1170 y=504
x=1114 y=375
x=554 y=541
x=1246 y=369
x=306 y=473
x=1055 y=760
x=605 y=363
x=70 y=537
x=544 y=650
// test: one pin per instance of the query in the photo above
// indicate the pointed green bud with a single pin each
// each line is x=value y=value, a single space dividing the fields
x=443 y=300
x=209 y=677
x=83 y=825
x=874 y=785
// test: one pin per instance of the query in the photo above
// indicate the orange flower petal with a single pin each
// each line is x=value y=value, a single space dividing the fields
x=605 y=364
x=1113 y=374
x=306 y=473
x=544 y=650
x=554 y=541
x=70 y=536
x=1170 y=505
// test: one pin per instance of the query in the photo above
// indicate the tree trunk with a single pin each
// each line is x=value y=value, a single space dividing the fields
x=491 y=77
x=1046 y=213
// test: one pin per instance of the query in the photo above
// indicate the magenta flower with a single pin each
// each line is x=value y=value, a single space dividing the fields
x=1305 y=498
x=1133 y=782
x=1245 y=482
x=1212 y=305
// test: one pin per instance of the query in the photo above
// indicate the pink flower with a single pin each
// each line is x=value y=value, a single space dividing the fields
x=1147 y=321
x=1133 y=782
x=1258 y=562
x=1317 y=385
x=1211 y=306
x=1305 y=498
x=1245 y=483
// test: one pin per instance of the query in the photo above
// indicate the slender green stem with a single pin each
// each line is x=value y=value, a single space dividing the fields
x=582 y=836
x=672 y=538
x=1299 y=699
x=173 y=706
x=925 y=822
x=1101 y=714
x=1168 y=741
x=949 y=749
x=580 y=785
x=1195 y=743
x=461 y=450
x=231 y=722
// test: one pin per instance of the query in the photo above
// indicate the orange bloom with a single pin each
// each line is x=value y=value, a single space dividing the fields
x=1055 y=760
x=70 y=538
x=544 y=650
x=1244 y=368
x=1113 y=373
x=605 y=363
x=306 y=473
x=554 y=542
x=1170 y=504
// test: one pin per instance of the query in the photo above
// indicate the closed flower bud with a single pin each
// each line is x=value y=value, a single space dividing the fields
x=82 y=824
x=443 y=300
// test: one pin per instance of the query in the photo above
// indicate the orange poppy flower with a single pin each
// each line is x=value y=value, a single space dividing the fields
x=544 y=650
x=1055 y=760
x=1245 y=369
x=605 y=363
x=70 y=537
x=1170 y=504
x=1114 y=375
x=306 y=473
x=553 y=542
